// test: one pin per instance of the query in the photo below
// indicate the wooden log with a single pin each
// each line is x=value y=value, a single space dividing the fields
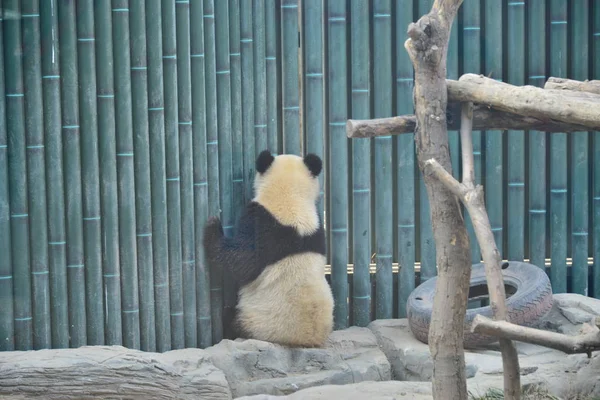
x=531 y=101
x=585 y=343
x=427 y=47
x=484 y=118
x=111 y=372
x=570 y=84
x=472 y=197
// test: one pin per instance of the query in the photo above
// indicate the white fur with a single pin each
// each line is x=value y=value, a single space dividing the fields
x=290 y=303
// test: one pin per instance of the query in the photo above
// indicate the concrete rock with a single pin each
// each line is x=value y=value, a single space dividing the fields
x=111 y=372
x=390 y=390
x=409 y=358
x=257 y=367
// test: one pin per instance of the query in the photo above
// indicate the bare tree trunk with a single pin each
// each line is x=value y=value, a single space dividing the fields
x=427 y=46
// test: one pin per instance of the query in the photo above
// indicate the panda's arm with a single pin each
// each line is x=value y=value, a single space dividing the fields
x=237 y=254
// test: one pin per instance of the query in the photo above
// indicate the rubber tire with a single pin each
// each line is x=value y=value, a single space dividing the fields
x=531 y=301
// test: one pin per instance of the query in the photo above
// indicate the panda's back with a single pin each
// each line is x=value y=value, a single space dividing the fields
x=289 y=303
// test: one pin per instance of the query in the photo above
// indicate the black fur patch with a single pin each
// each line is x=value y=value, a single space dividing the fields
x=264 y=161
x=260 y=241
x=313 y=163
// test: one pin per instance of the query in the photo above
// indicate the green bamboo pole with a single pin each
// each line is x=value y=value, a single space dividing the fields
x=90 y=174
x=405 y=166
x=579 y=155
x=537 y=140
x=221 y=11
x=57 y=257
x=212 y=145
x=184 y=83
x=17 y=179
x=596 y=182
x=126 y=175
x=108 y=172
x=38 y=228
x=142 y=167
x=426 y=242
x=273 y=32
x=382 y=95
x=471 y=39
x=247 y=56
x=72 y=148
x=7 y=322
x=158 y=175
x=172 y=148
x=260 y=78
x=558 y=156
x=338 y=159
x=290 y=88
x=516 y=139
x=494 y=187
x=314 y=84
x=361 y=163
x=203 y=309
x=236 y=108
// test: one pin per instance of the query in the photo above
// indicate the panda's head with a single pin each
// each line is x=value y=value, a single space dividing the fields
x=287 y=177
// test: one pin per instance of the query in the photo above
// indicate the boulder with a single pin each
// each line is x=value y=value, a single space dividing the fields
x=257 y=367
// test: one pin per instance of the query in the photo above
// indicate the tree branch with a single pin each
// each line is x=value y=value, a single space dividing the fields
x=585 y=343
x=484 y=118
x=569 y=84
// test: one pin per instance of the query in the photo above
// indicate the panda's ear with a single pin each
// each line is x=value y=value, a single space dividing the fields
x=313 y=163
x=264 y=161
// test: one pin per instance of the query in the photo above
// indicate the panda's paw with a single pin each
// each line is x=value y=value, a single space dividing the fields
x=212 y=230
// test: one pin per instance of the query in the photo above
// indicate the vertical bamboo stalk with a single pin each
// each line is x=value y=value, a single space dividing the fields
x=142 y=167
x=427 y=243
x=493 y=138
x=223 y=66
x=237 y=150
x=290 y=87
x=126 y=175
x=170 y=79
x=260 y=78
x=57 y=257
x=90 y=173
x=558 y=156
x=338 y=159
x=184 y=83
x=314 y=84
x=382 y=95
x=236 y=108
x=361 y=164
x=596 y=167
x=405 y=161
x=7 y=322
x=273 y=72
x=537 y=139
x=212 y=149
x=203 y=307
x=73 y=167
x=579 y=156
x=158 y=175
x=108 y=173
x=17 y=178
x=516 y=139
x=471 y=39
x=247 y=83
x=38 y=232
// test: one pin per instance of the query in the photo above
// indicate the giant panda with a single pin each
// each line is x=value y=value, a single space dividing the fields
x=277 y=255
